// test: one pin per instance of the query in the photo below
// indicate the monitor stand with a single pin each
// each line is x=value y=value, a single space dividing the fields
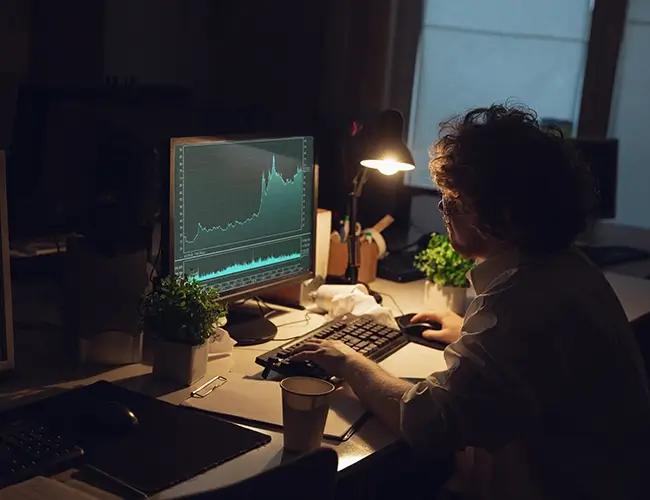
x=247 y=325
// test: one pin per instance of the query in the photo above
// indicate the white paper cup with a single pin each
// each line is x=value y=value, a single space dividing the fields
x=305 y=405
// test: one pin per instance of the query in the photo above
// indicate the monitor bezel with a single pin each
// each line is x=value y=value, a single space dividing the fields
x=253 y=290
x=7 y=308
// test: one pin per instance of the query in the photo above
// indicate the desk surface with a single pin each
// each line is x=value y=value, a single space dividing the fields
x=373 y=436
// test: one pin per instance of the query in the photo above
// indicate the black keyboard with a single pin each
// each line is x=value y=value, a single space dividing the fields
x=28 y=449
x=604 y=256
x=362 y=333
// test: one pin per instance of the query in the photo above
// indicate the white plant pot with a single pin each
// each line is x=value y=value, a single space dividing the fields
x=438 y=297
x=181 y=363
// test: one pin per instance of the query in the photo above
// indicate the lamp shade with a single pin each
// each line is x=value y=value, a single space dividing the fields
x=384 y=148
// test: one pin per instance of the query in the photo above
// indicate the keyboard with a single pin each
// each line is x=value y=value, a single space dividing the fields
x=362 y=333
x=604 y=256
x=28 y=449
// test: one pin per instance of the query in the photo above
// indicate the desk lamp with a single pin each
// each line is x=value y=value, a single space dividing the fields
x=381 y=148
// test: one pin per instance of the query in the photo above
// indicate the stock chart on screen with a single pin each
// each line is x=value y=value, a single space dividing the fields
x=243 y=210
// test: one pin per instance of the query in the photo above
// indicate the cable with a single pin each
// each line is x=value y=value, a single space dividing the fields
x=289 y=323
x=261 y=303
x=394 y=302
x=155 y=261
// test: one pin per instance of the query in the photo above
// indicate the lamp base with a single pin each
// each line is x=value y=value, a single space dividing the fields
x=342 y=280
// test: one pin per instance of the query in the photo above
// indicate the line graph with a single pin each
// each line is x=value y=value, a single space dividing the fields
x=269 y=207
x=280 y=202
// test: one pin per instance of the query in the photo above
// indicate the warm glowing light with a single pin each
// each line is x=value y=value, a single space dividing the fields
x=387 y=166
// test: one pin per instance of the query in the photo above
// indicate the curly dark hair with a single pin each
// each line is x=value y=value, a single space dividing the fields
x=524 y=182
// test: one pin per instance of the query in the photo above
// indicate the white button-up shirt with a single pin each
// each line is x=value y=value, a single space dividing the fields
x=545 y=394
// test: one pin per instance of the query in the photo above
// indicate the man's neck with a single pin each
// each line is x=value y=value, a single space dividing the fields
x=494 y=251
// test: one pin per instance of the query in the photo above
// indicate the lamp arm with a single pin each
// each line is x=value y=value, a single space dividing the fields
x=353 y=240
x=359 y=181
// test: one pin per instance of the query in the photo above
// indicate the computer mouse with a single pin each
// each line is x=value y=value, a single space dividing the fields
x=417 y=328
x=405 y=322
x=110 y=416
x=414 y=332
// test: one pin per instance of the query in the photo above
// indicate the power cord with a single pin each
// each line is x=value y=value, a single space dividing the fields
x=289 y=323
x=394 y=302
x=155 y=262
x=260 y=302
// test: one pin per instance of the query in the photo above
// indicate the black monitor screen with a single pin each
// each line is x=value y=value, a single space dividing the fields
x=6 y=323
x=243 y=212
x=601 y=155
x=4 y=355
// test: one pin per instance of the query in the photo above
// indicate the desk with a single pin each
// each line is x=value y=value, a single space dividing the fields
x=370 y=439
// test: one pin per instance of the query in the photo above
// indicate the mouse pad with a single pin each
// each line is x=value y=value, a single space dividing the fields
x=169 y=445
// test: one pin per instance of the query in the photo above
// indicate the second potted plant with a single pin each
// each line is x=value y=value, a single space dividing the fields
x=446 y=275
x=181 y=315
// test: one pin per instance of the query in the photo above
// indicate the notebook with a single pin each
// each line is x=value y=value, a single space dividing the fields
x=258 y=400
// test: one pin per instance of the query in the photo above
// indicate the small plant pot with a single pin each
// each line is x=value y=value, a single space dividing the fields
x=181 y=363
x=438 y=297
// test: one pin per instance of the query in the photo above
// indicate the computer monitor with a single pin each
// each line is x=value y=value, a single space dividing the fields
x=601 y=155
x=6 y=321
x=242 y=213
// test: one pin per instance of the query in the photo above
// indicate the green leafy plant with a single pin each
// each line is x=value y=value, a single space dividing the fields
x=180 y=309
x=441 y=264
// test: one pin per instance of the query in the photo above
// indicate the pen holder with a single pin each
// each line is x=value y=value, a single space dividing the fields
x=368 y=255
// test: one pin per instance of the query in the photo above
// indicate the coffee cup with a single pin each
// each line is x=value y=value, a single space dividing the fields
x=305 y=405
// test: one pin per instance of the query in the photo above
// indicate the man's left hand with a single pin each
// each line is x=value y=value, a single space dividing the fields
x=331 y=356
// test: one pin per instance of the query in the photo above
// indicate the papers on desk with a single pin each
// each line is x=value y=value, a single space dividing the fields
x=414 y=361
x=257 y=400
x=43 y=488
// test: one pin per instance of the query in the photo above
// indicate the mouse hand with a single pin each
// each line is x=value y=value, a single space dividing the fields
x=450 y=321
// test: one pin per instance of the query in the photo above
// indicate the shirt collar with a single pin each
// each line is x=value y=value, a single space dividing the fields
x=481 y=275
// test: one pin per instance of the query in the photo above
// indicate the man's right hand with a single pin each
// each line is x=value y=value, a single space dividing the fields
x=450 y=321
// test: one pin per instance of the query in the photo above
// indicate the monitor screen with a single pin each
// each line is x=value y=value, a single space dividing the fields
x=242 y=211
x=601 y=155
x=6 y=321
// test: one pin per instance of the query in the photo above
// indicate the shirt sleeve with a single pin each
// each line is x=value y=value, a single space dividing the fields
x=481 y=400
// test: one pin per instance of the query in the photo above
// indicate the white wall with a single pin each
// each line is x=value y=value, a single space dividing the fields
x=630 y=119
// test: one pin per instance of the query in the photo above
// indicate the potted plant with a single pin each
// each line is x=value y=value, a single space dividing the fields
x=181 y=315
x=446 y=275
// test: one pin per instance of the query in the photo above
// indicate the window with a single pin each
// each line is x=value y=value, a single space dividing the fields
x=475 y=53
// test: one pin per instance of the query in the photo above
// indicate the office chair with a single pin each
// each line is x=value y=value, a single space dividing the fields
x=310 y=476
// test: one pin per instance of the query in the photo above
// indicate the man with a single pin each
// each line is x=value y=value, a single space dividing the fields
x=545 y=394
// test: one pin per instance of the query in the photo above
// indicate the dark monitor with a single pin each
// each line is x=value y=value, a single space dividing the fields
x=242 y=212
x=602 y=157
x=6 y=321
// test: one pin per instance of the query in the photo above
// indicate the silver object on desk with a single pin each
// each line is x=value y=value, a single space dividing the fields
x=217 y=382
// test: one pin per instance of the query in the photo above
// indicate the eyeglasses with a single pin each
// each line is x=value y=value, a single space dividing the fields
x=450 y=207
